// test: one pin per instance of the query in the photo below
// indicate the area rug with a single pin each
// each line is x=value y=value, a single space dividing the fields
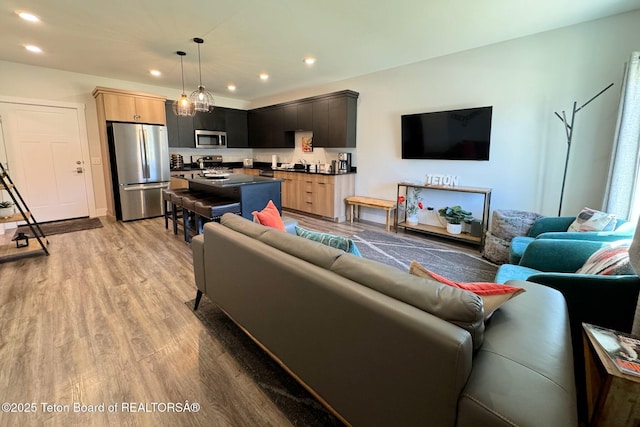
x=60 y=227
x=399 y=250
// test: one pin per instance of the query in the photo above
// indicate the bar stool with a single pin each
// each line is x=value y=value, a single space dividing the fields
x=189 y=201
x=168 y=213
x=176 y=206
x=212 y=209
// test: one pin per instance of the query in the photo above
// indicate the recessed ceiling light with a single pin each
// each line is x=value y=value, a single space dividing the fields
x=155 y=73
x=28 y=16
x=264 y=76
x=309 y=60
x=32 y=48
x=232 y=88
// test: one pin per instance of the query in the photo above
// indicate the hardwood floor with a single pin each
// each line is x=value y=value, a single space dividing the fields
x=103 y=320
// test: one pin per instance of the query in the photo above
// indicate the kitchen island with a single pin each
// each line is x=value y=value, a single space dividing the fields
x=253 y=192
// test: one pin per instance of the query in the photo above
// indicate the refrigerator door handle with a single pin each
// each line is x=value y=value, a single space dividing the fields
x=144 y=187
x=145 y=166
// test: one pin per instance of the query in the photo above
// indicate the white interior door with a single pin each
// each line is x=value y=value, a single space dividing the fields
x=44 y=153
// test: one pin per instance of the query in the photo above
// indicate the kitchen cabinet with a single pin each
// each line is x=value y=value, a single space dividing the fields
x=317 y=194
x=134 y=107
x=320 y=120
x=180 y=131
x=267 y=128
x=123 y=106
x=236 y=127
x=332 y=119
x=212 y=120
x=305 y=115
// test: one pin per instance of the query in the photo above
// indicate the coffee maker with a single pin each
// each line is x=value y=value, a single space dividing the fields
x=344 y=162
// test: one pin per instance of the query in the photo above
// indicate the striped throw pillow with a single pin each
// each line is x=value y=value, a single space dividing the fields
x=611 y=260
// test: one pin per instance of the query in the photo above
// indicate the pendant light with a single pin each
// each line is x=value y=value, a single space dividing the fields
x=202 y=100
x=183 y=106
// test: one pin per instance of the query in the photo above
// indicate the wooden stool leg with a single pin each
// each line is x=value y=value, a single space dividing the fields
x=386 y=224
x=351 y=214
x=174 y=217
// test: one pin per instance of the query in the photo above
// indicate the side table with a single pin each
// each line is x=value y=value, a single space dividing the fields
x=613 y=397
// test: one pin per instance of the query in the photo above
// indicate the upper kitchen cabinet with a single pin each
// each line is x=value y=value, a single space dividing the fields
x=305 y=115
x=134 y=107
x=331 y=117
x=179 y=128
x=267 y=128
x=236 y=127
x=334 y=120
x=213 y=120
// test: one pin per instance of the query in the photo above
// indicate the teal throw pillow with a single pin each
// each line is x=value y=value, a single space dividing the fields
x=332 y=240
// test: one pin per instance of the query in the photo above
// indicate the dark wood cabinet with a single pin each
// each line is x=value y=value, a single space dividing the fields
x=331 y=118
x=268 y=128
x=179 y=128
x=320 y=123
x=213 y=120
x=237 y=128
x=290 y=118
x=305 y=116
x=334 y=120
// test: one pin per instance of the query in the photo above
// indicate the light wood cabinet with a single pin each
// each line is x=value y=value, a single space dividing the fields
x=250 y=171
x=123 y=106
x=317 y=194
x=134 y=107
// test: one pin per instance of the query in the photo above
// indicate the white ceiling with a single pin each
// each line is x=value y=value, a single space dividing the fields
x=123 y=39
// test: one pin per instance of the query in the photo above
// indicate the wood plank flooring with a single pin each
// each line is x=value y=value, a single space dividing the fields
x=103 y=320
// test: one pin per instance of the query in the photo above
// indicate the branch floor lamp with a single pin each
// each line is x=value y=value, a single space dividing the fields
x=569 y=131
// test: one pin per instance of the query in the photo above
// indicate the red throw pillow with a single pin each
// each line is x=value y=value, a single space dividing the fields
x=269 y=216
x=493 y=294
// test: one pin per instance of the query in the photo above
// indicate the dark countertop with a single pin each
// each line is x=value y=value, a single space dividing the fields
x=268 y=168
x=233 y=180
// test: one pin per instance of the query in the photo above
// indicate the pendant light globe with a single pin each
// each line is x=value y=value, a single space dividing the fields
x=183 y=106
x=201 y=98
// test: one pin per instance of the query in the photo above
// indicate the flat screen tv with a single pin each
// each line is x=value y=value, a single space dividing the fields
x=447 y=135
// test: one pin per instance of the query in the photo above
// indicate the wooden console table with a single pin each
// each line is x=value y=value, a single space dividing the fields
x=441 y=231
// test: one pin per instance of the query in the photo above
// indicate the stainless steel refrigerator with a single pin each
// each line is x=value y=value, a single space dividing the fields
x=139 y=168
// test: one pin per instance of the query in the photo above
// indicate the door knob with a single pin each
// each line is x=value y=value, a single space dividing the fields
x=78 y=162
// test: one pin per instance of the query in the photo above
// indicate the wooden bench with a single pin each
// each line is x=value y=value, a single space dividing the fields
x=370 y=202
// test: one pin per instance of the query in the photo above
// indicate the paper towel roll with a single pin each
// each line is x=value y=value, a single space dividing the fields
x=274 y=161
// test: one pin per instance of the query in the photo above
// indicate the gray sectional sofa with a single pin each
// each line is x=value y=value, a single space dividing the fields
x=381 y=347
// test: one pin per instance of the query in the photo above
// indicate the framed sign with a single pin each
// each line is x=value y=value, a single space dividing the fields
x=307 y=144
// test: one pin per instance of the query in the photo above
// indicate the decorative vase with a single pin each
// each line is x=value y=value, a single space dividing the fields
x=6 y=212
x=412 y=219
x=454 y=228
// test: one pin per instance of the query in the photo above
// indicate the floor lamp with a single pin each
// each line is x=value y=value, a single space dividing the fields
x=568 y=127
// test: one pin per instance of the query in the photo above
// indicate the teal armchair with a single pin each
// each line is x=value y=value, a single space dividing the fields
x=608 y=301
x=556 y=228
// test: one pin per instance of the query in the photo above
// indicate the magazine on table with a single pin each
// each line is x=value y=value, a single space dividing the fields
x=622 y=348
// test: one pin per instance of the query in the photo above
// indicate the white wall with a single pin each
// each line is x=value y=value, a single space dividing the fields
x=525 y=80
x=37 y=83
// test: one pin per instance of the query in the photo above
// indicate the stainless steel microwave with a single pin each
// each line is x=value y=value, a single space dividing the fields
x=211 y=139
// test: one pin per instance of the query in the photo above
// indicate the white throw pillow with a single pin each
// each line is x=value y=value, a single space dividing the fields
x=593 y=220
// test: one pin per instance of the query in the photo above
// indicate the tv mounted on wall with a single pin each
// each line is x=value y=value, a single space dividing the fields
x=447 y=135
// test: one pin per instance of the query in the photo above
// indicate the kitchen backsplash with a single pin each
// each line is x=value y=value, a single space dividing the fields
x=295 y=155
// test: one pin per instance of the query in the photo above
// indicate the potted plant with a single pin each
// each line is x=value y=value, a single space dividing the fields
x=413 y=205
x=6 y=209
x=455 y=216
